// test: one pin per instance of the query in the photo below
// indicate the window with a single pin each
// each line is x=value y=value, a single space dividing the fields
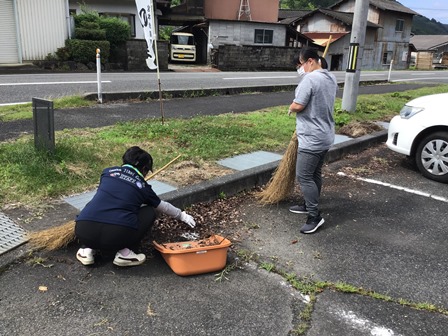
x=387 y=56
x=399 y=25
x=263 y=36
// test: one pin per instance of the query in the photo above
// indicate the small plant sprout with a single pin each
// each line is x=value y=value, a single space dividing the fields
x=267 y=266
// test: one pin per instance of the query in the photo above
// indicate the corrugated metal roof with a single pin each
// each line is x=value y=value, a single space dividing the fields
x=291 y=13
x=390 y=5
x=428 y=42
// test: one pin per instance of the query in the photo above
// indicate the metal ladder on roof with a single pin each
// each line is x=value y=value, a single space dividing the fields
x=244 y=10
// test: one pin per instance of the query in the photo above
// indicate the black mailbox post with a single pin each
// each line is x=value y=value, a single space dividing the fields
x=43 y=118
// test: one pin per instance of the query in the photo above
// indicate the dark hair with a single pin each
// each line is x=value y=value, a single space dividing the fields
x=306 y=53
x=140 y=159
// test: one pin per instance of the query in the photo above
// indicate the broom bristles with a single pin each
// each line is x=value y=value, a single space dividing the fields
x=53 y=238
x=282 y=181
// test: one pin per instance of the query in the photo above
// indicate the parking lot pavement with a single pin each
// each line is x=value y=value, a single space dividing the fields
x=376 y=237
x=382 y=253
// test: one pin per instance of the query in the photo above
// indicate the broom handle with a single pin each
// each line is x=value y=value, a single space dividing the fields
x=326 y=47
x=163 y=168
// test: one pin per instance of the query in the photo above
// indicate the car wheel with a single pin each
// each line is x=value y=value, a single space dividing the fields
x=432 y=156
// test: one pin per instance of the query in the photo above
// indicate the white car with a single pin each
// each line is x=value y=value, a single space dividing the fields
x=421 y=131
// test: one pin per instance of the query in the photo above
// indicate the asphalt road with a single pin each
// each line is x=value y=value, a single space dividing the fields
x=21 y=88
x=111 y=113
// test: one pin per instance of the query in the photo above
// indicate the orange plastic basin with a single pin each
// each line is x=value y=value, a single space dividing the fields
x=195 y=257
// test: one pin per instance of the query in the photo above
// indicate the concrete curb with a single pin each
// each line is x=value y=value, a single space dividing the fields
x=194 y=93
x=248 y=179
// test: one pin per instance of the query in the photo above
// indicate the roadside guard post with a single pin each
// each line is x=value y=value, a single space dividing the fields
x=98 y=75
x=390 y=70
x=43 y=119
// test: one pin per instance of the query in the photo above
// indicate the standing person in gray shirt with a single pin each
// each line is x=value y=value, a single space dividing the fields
x=313 y=104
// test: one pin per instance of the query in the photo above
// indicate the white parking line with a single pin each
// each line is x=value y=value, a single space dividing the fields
x=9 y=104
x=393 y=186
x=52 y=83
x=414 y=79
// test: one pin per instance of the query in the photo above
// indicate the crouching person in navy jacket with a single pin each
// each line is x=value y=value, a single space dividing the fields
x=122 y=211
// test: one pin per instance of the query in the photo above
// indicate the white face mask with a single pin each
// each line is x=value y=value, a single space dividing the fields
x=301 y=72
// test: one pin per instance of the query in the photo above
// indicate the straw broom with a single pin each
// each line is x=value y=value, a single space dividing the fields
x=282 y=181
x=60 y=236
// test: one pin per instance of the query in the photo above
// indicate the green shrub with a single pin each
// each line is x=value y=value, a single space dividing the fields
x=63 y=53
x=86 y=18
x=117 y=30
x=90 y=34
x=89 y=24
x=84 y=51
x=341 y=117
x=51 y=57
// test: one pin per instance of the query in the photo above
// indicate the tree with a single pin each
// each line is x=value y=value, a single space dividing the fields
x=306 y=4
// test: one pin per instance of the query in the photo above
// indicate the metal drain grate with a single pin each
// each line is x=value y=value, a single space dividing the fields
x=11 y=235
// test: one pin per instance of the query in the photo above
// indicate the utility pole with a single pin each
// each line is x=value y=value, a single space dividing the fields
x=357 y=40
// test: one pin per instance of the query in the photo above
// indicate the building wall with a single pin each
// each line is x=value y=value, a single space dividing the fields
x=9 y=49
x=43 y=27
x=388 y=21
x=260 y=10
x=388 y=44
x=321 y=23
x=255 y=58
x=242 y=33
x=136 y=55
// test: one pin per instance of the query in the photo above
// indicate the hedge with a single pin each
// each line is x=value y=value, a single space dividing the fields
x=90 y=34
x=84 y=51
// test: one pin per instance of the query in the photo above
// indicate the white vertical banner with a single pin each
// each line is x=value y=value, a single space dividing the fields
x=145 y=10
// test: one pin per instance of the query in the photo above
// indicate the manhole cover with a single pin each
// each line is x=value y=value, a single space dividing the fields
x=11 y=235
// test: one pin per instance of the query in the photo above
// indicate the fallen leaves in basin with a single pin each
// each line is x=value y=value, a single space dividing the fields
x=215 y=217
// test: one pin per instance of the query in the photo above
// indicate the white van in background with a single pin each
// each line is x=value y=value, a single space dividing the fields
x=182 y=47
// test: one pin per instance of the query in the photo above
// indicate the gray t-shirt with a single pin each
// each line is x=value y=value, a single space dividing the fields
x=315 y=124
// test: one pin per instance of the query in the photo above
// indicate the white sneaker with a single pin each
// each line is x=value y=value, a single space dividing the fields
x=132 y=259
x=85 y=256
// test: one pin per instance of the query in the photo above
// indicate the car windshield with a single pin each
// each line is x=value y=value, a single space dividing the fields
x=182 y=39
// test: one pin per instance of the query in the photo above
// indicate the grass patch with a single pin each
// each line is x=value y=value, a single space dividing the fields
x=32 y=177
x=29 y=176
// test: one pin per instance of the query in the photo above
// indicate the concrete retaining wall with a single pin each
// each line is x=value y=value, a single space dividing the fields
x=254 y=58
x=136 y=55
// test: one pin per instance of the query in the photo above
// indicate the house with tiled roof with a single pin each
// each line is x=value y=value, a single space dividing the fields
x=388 y=32
x=429 y=51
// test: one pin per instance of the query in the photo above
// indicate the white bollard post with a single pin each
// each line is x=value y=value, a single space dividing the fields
x=98 y=75
x=390 y=70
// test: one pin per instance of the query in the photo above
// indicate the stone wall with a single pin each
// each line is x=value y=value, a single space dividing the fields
x=136 y=55
x=254 y=58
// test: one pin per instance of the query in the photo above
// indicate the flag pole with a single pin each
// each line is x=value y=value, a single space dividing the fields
x=156 y=54
x=145 y=10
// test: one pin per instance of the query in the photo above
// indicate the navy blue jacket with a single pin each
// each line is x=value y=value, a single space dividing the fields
x=120 y=194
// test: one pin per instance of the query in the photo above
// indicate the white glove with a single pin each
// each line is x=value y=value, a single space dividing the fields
x=187 y=219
